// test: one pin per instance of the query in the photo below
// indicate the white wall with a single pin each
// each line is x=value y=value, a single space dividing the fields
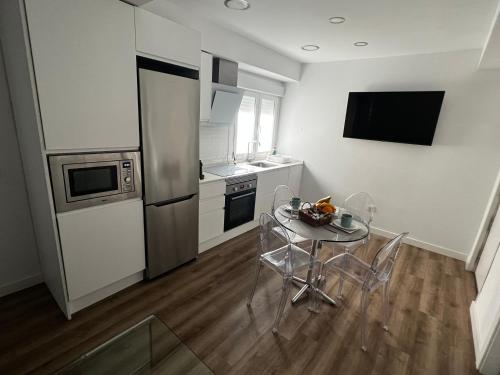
x=19 y=266
x=228 y=44
x=437 y=193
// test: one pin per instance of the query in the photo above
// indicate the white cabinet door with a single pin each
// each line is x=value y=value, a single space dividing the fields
x=84 y=60
x=211 y=225
x=490 y=249
x=205 y=86
x=266 y=183
x=158 y=36
x=101 y=245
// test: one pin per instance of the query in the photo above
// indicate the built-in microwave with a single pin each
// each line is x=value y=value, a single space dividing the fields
x=84 y=180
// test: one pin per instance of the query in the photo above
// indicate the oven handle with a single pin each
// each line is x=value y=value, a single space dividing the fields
x=243 y=196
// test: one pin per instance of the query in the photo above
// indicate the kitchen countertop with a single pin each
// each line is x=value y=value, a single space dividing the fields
x=251 y=169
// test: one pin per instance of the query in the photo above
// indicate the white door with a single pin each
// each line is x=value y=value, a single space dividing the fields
x=489 y=251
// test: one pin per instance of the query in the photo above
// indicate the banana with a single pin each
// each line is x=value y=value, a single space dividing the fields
x=324 y=200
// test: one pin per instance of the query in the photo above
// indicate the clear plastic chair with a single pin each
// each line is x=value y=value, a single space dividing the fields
x=368 y=276
x=281 y=255
x=283 y=195
x=362 y=206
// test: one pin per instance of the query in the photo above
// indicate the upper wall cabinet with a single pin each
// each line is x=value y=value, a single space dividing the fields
x=85 y=69
x=160 y=37
x=206 y=86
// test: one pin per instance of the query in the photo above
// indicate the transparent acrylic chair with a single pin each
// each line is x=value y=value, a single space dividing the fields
x=368 y=276
x=283 y=195
x=362 y=206
x=281 y=255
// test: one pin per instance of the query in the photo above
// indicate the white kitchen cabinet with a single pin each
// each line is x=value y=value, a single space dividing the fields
x=266 y=183
x=212 y=189
x=212 y=201
x=101 y=245
x=211 y=225
x=206 y=86
x=160 y=37
x=84 y=61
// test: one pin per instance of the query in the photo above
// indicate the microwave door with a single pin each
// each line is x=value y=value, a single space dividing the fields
x=170 y=125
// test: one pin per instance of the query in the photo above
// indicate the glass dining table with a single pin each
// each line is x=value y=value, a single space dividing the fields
x=318 y=235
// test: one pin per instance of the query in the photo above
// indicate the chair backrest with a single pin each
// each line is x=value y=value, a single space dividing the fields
x=282 y=195
x=273 y=237
x=361 y=205
x=383 y=262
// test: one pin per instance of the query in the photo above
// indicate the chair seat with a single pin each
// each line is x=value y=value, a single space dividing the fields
x=276 y=258
x=351 y=246
x=294 y=238
x=350 y=267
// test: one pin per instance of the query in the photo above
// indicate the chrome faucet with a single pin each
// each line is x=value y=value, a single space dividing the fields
x=251 y=155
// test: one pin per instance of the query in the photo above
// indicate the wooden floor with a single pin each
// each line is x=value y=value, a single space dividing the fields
x=204 y=304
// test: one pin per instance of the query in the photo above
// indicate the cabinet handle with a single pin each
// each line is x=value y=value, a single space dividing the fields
x=243 y=196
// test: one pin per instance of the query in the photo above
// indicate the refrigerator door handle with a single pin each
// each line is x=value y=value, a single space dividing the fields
x=175 y=200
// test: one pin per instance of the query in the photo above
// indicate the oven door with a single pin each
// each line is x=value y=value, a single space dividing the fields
x=91 y=180
x=240 y=209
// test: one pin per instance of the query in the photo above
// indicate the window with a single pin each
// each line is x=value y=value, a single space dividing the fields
x=256 y=121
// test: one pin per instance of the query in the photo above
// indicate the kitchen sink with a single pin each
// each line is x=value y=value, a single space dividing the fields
x=262 y=164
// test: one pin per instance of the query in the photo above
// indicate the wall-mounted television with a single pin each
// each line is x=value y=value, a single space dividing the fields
x=395 y=116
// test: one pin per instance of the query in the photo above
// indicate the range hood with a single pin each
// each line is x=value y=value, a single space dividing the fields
x=227 y=97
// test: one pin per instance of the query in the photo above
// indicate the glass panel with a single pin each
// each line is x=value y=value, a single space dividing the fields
x=94 y=180
x=266 y=124
x=246 y=124
x=241 y=210
x=147 y=348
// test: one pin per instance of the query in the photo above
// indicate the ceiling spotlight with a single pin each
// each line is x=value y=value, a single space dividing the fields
x=237 y=4
x=310 y=47
x=361 y=44
x=336 y=20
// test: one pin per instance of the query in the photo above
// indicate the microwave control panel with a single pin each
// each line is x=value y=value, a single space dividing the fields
x=127 y=175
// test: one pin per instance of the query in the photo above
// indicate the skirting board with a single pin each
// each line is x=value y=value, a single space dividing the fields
x=226 y=236
x=475 y=333
x=423 y=245
x=103 y=293
x=20 y=284
x=381 y=232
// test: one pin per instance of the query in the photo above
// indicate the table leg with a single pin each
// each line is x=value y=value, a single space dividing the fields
x=310 y=281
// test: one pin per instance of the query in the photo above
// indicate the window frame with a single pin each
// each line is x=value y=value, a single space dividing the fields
x=256 y=130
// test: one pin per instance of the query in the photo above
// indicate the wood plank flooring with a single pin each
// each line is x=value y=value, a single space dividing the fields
x=204 y=303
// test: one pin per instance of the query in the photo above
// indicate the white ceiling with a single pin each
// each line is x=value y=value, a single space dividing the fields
x=391 y=27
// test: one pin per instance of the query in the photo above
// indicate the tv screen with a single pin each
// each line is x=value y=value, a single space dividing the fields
x=404 y=117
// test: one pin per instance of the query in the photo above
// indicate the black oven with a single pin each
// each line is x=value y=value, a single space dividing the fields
x=240 y=200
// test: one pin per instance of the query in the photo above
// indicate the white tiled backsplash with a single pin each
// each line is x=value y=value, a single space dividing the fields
x=214 y=143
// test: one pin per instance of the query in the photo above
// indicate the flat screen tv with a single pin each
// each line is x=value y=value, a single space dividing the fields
x=402 y=116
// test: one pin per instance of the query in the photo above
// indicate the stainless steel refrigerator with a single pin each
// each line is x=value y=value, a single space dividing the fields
x=169 y=108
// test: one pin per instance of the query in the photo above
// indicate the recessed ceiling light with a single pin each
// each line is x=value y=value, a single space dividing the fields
x=310 y=47
x=237 y=4
x=361 y=44
x=336 y=20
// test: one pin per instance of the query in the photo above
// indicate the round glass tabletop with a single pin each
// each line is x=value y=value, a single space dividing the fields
x=325 y=233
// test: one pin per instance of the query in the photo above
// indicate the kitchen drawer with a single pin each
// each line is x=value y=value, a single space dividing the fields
x=212 y=189
x=211 y=225
x=211 y=204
